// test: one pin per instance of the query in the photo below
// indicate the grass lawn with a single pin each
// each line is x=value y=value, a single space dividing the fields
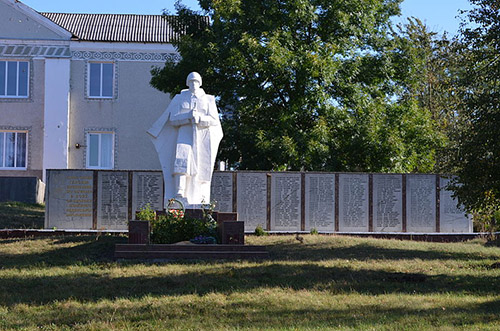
x=18 y=215
x=328 y=282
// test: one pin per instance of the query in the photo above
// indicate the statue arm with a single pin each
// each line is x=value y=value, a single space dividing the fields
x=181 y=119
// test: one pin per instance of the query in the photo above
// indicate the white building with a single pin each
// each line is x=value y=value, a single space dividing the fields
x=75 y=92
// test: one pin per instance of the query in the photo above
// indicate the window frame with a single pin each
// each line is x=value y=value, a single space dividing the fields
x=3 y=150
x=87 y=158
x=5 y=78
x=89 y=77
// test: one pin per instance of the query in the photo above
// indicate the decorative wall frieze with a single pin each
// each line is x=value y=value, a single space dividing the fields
x=125 y=56
x=63 y=51
x=17 y=51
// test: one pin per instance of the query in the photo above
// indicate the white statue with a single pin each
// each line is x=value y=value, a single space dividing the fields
x=187 y=137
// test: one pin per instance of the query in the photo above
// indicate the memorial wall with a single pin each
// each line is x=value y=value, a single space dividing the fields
x=277 y=201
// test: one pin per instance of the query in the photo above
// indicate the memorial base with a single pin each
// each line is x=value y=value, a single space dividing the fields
x=192 y=252
x=229 y=229
x=138 y=232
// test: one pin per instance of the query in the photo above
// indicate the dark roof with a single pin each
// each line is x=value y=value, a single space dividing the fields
x=118 y=27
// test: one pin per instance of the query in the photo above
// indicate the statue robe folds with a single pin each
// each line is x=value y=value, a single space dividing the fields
x=186 y=137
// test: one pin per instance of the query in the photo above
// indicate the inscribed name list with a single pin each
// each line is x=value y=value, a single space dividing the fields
x=221 y=191
x=285 y=201
x=353 y=203
x=387 y=203
x=252 y=199
x=69 y=199
x=452 y=218
x=320 y=202
x=147 y=188
x=112 y=200
x=421 y=203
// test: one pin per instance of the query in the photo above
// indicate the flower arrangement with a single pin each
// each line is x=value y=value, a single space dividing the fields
x=204 y=240
x=176 y=213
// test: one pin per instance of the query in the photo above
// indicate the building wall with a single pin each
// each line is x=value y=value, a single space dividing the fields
x=27 y=114
x=16 y=24
x=133 y=109
x=56 y=113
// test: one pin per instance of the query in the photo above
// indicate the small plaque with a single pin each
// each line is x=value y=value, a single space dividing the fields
x=320 y=202
x=387 y=203
x=221 y=191
x=112 y=200
x=285 y=201
x=69 y=199
x=452 y=218
x=421 y=203
x=353 y=203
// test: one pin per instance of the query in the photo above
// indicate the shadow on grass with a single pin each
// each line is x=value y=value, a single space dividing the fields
x=92 y=249
x=87 y=251
x=221 y=277
x=364 y=252
x=227 y=279
x=18 y=215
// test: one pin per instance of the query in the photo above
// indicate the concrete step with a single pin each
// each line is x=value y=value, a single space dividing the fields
x=130 y=251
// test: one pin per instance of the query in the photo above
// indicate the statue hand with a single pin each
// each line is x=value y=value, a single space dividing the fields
x=196 y=118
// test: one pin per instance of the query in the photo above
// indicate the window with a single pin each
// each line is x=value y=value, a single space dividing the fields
x=101 y=80
x=14 y=79
x=100 y=150
x=13 y=150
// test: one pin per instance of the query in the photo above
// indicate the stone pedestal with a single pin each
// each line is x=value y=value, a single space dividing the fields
x=232 y=232
x=224 y=217
x=138 y=232
x=193 y=213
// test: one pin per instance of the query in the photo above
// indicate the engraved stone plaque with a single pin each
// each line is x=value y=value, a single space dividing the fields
x=353 y=203
x=285 y=201
x=320 y=202
x=221 y=191
x=452 y=218
x=147 y=188
x=69 y=199
x=252 y=199
x=112 y=200
x=387 y=203
x=421 y=203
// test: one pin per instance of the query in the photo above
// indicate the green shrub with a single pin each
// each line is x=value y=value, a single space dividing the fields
x=169 y=229
x=146 y=213
x=314 y=231
x=259 y=231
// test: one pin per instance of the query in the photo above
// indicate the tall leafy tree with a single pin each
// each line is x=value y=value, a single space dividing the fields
x=477 y=156
x=430 y=67
x=305 y=84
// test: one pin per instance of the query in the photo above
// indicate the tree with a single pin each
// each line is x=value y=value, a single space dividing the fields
x=305 y=84
x=477 y=156
x=431 y=68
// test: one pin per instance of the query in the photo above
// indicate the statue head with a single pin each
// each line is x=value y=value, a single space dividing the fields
x=193 y=81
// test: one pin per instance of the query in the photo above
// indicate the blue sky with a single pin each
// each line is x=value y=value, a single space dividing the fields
x=439 y=15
